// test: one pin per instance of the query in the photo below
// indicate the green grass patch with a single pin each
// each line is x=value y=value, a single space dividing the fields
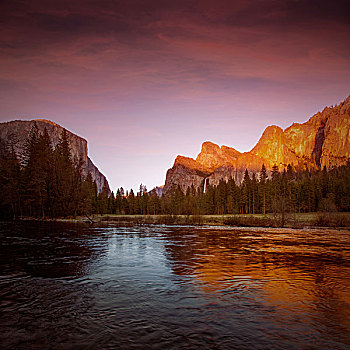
x=291 y=220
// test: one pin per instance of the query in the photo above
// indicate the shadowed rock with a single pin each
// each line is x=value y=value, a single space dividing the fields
x=16 y=134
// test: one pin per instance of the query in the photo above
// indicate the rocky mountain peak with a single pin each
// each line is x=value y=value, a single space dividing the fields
x=212 y=156
x=17 y=132
x=323 y=140
x=189 y=163
x=345 y=106
x=272 y=133
x=210 y=147
x=230 y=152
x=272 y=147
x=48 y=122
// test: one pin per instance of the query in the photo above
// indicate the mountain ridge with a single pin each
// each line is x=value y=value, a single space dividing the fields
x=16 y=132
x=323 y=140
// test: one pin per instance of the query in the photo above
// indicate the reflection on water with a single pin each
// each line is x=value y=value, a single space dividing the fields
x=301 y=277
x=75 y=286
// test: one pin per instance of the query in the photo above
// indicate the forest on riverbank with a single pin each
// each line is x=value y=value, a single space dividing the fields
x=46 y=182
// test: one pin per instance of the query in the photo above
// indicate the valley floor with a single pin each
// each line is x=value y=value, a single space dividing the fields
x=290 y=220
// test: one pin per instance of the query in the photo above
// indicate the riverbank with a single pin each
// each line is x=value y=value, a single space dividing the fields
x=294 y=220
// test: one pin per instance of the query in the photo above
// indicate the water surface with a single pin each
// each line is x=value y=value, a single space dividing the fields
x=65 y=286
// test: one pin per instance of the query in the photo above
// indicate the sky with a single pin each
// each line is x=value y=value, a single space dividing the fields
x=146 y=80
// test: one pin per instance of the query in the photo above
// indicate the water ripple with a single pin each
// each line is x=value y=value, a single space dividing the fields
x=66 y=286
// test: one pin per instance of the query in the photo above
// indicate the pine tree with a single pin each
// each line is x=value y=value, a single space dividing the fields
x=275 y=173
x=263 y=174
x=142 y=197
x=275 y=186
x=89 y=195
x=10 y=183
x=263 y=177
x=254 y=195
x=102 y=201
x=38 y=174
x=131 y=202
x=232 y=197
x=246 y=192
x=63 y=177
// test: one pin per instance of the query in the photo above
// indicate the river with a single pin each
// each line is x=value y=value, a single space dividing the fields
x=75 y=286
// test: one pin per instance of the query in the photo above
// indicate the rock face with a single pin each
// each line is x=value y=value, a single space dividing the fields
x=17 y=132
x=324 y=140
x=185 y=172
x=212 y=156
x=158 y=190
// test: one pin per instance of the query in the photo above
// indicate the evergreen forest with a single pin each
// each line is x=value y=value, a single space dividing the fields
x=46 y=182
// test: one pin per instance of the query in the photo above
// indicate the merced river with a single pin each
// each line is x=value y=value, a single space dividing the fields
x=77 y=286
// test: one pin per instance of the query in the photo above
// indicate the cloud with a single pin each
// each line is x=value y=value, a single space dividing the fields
x=171 y=66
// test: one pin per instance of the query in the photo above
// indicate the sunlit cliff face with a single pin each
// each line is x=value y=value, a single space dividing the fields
x=296 y=145
x=278 y=270
x=324 y=140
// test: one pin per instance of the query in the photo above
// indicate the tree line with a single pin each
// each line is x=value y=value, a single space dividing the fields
x=291 y=191
x=44 y=181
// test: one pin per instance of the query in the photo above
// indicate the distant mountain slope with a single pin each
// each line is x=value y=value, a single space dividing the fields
x=324 y=140
x=16 y=133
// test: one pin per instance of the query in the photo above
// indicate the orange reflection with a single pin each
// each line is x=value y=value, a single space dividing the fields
x=282 y=274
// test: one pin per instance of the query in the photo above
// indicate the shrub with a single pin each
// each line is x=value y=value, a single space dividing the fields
x=248 y=221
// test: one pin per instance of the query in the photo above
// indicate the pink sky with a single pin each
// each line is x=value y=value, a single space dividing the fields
x=144 y=81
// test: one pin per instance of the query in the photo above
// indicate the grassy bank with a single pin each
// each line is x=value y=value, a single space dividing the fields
x=298 y=220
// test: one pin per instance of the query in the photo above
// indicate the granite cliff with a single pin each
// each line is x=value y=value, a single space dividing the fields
x=324 y=140
x=17 y=132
